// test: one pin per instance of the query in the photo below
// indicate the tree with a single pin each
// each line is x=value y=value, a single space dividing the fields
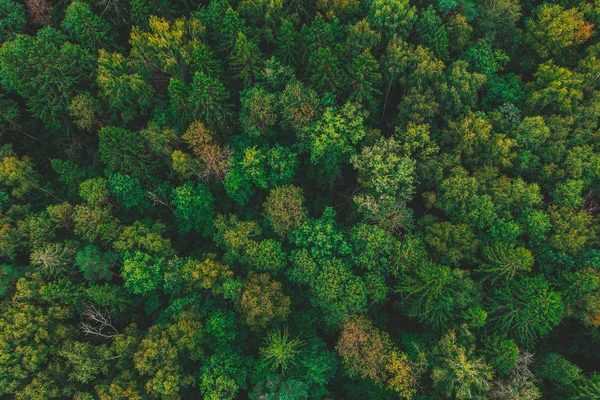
x=128 y=191
x=142 y=273
x=458 y=372
x=148 y=238
x=245 y=58
x=214 y=159
x=365 y=80
x=336 y=290
x=526 y=310
x=54 y=67
x=555 y=31
x=280 y=351
x=331 y=141
x=263 y=302
x=284 y=209
x=208 y=274
x=122 y=151
x=168 y=48
x=18 y=173
x=572 y=229
x=95 y=264
x=258 y=115
x=157 y=358
x=555 y=89
x=504 y=261
x=453 y=244
x=437 y=294
x=286 y=39
x=208 y=101
x=92 y=223
x=84 y=111
x=298 y=106
x=361 y=37
x=387 y=179
x=391 y=17
x=94 y=192
x=54 y=259
x=581 y=291
x=369 y=353
x=325 y=70
x=275 y=388
x=498 y=19
x=194 y=208
x=12 y=19
x=125 y=88
x=87 y=28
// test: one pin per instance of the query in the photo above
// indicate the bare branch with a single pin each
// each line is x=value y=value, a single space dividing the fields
x=99 y=323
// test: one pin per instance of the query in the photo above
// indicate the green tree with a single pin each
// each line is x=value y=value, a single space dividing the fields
x=458 y=372
x=505 y=261
x=125 y=88
x=258 y=114
x=128 y=191
x=331 y=141
x=437 y=294
x=142 y=273
x=555 y=89
x=54 y=259
x=298 y=106
x=245 y=58
x=122 y=151
x=46 y=70
x=12 y=19
x=365 y=80
x=208 y=101
x=87 y=28
x=526 y=310
x=391 y=17
x=554 y=31
x=280 y=350
x=387 y=178
x=194 y=208
x=94 y=263
x=275 y=388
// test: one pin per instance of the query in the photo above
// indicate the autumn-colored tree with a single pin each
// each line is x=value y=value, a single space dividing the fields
x=368 y=352
x=284 y=209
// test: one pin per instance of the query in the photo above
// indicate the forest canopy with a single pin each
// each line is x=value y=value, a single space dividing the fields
x=299 y=199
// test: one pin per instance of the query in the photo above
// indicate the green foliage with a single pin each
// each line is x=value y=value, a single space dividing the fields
x=46 y=70
x=529 y=323
x=95 y=264
x=435 y=293
x=128 y=190
x=274 y=388
x=12 y=19
x=194 y=208
x=280 y=351
x=555 y=30
x=410 y=189
x=332 y=140
x=142 y=272
x=121 y=150
x=387 y=179
x=87 y=28
x=458 y=373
